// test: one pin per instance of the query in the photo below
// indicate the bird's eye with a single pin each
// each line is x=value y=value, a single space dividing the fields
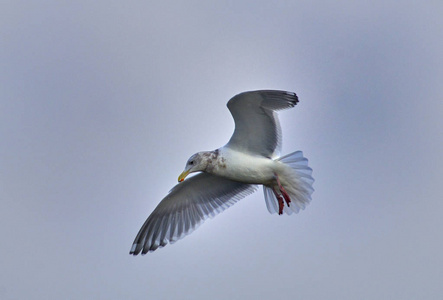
x=191 y=162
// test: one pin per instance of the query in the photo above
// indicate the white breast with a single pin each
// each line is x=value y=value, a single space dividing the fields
x=245 y=168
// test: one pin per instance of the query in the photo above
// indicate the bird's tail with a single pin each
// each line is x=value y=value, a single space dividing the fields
x=297 y=182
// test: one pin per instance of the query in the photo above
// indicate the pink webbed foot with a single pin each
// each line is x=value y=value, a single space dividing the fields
x=283 y=191
x=281 y=204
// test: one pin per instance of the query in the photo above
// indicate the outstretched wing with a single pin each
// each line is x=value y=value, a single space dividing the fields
x=186 y=206
x=257 y=130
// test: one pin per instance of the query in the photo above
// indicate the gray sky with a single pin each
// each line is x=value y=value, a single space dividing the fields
x=102 y=103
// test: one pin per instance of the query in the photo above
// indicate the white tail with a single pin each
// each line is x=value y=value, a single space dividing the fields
x=300 y=187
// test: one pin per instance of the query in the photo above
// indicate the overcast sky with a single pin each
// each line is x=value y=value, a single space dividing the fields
x=102 y=103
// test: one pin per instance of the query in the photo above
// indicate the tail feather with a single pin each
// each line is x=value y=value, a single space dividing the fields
x=300 y=188
x=271 y=201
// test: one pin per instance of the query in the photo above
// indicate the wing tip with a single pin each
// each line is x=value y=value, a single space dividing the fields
x=135 y=249
x=290 y=98
x=293 y=98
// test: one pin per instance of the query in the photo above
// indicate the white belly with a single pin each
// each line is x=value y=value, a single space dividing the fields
x=245 y=168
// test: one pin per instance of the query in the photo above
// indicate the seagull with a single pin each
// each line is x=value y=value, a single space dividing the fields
x=230 y=173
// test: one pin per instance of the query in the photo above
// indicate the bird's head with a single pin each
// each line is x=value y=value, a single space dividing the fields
x=197 y=162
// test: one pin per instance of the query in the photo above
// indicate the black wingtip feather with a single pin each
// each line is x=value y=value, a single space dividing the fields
x=276 y=98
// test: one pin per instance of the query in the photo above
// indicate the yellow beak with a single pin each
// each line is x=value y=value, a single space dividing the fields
x=183 y=176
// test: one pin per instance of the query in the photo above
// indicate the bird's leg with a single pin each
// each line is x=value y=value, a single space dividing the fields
x=281 y=204
x=283 y=191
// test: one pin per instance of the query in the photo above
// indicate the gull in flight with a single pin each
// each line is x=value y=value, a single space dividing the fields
x=231 y=172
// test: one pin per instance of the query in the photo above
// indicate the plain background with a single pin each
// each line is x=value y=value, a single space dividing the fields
x=102 y=103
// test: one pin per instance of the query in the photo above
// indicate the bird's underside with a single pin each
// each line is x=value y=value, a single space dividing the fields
x=227 y=174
